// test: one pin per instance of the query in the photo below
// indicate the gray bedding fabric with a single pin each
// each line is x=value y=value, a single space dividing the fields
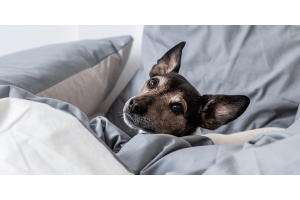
x=270 y=153
x=38 y=69
x=262 y=62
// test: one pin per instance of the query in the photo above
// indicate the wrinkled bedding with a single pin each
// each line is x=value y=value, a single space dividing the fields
x=261 y=62
x=269 y=153
x=37 y=139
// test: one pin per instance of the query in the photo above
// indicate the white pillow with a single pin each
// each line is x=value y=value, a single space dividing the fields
x=38 y=139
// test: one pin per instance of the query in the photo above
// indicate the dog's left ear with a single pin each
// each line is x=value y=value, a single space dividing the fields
x=169 y=62
x=218 y=110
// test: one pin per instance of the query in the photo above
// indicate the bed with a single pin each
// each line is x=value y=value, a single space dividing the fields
x=216 y=60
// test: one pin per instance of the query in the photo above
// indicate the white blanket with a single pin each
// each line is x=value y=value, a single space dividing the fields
x=38 y=139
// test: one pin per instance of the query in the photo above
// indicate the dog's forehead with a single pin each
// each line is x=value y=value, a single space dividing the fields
x=171 y=83
x=179 y=83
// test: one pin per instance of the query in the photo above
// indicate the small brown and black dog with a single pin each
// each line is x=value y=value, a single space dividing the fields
x=169 y=104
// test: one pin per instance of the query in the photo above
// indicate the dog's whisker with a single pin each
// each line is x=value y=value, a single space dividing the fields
x=129 y=130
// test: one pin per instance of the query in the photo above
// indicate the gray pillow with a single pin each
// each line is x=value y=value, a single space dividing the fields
x=262 y=62
x=81 y=73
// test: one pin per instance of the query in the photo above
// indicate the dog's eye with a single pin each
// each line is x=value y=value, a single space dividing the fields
x=152 y=83
x=177 y=109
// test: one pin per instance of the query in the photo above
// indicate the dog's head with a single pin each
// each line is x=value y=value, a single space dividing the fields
x=169 y=104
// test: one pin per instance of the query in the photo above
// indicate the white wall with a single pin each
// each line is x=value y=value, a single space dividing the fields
x=18 y=38
x=134 y=61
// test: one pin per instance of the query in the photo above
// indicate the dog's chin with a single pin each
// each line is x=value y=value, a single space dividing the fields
x=147 y=131
x=130 y=122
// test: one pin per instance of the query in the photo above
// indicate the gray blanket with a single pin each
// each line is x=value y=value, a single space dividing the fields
x=270 y=153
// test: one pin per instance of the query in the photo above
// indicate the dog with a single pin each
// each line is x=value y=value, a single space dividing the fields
x=169 y=104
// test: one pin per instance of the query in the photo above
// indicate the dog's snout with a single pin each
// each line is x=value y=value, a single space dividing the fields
x=137 y=106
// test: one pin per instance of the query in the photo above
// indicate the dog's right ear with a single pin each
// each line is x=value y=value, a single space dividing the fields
x=169 y=62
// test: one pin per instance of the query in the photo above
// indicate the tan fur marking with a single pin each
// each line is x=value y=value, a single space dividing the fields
x=177 y=98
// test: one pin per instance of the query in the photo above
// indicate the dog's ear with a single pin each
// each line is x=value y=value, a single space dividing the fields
x=169 y=62
x=218 y=110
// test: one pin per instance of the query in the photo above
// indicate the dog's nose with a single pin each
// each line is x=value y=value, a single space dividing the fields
x=137 y=106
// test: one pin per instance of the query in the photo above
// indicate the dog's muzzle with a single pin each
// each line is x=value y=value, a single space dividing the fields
x=139 y=105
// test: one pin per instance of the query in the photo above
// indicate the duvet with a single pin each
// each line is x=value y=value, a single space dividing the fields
x=47 y=136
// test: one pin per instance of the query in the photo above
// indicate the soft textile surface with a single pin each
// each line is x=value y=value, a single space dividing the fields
x=262 y=62
x=238 y=138
x=82 y=73
x=270 y=153
x=38 y=139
